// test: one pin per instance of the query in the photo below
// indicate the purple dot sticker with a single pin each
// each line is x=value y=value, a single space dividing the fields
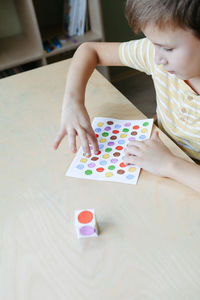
x=111 y=143
x=90 y=147
x=98 y=130
x=91 y=165
x=128 y=124
x=142 y=137
x=114 y=160
x=87 y=230
x=80 y=167
x=132 y=139
x=121 y=142
x=107 y=128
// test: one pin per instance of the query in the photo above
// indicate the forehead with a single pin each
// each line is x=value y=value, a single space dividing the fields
x=170 y=35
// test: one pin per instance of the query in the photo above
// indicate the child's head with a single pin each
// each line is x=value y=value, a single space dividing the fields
x=162 y=13
x=173 y=26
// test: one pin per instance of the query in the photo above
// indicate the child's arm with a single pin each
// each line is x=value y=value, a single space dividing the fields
x=152 y=155
x=74 y=118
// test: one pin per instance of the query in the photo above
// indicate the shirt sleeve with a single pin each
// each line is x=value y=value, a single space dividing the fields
x=138 y=54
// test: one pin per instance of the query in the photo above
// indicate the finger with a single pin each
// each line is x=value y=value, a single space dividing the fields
x=133 y=150
x=129 y=159
x=93 y=140
x=84 y=142
x=61 y=134
x=155 y=136
x=72 y=139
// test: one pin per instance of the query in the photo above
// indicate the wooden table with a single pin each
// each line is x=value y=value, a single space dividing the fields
x=149 y=245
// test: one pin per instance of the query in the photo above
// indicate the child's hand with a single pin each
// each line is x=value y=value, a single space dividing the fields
x=151 y=155
x=75 y=121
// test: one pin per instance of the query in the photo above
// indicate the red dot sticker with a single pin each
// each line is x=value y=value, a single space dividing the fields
x=119 y=148
x=136 y=127
x=97 y=135
x=99 y=153
x=122 y=165
x=115 y=131
x=100 y=169
x=85 y=217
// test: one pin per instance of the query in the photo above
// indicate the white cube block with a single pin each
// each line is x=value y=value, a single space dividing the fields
x=85 y=223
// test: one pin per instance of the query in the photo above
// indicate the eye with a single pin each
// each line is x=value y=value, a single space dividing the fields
x=168 y=49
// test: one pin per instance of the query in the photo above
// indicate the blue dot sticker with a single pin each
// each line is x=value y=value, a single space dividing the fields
x=130 y=176
x=80 y=167
x=142 y=137
x=103 y=162
x=118 y=126
x=98 y=130
x=121 y=142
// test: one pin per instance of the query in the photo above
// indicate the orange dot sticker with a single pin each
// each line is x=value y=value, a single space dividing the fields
x=136 y=127
x=85 y=217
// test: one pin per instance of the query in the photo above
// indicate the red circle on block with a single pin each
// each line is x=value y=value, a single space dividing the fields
x=122 y=165
x=85 y=217
x=119 y=147
x=136 y=127
x=100 y=169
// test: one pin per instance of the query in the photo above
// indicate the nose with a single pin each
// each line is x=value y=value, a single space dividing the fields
x=159 y=56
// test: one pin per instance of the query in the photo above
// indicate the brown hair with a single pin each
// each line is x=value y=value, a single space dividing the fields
x=183 y=13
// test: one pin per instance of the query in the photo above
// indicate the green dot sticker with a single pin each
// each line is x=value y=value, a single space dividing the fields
x=125 y=130
x=88 y=172
x=108 y=149
x=145 y=123
x=111 y=167
x=105 y=134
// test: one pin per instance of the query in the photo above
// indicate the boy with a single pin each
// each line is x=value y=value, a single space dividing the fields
x=170 y=53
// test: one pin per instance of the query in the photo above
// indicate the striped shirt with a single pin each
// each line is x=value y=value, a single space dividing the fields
x=178 y=106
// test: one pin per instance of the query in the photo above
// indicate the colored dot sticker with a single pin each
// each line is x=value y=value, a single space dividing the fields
x=114 y=160
x=119 y=147
x=128 y=124
x=132 y=169
x=103 y=162
x=113 y=137
x=134 y=133
x=115 y=131
x=123 y=135
x=120 y=172
x=117 y=126
x=122 y=165
x=108 y=149
x=101 y=146
x=132 y=138
x=91 y=165
x=107 y=128
x=142 y=137
x=106 y=156
x=110 y=122
x=116 y=154
x=102 y=140
x=111 y=167
x=129 y=176
x=100 y=124
x=83 y=160
x=80 y=167
x=145 y=123
x=94 y=158
x=97 y=135
x=88 y=172
x=87 y=230
x=121 y=142
x=136 y=127
x=144 y=130
x=98 y=130
x=111 y=143
x=105 y=134
x=100 y=170
x=85 y=217
x=125 y=130
x=109 y=174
